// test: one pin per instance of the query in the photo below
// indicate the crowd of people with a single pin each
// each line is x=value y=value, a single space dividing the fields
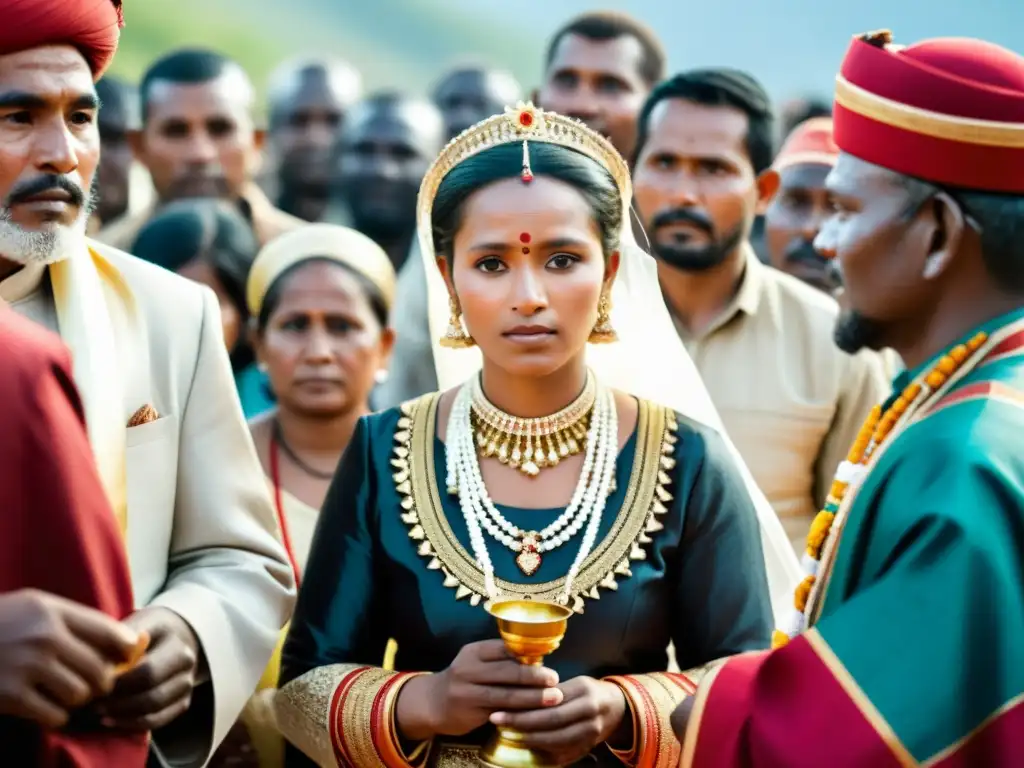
x=292 y=411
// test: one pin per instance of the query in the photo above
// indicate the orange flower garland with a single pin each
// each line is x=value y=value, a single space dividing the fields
x=877 y=428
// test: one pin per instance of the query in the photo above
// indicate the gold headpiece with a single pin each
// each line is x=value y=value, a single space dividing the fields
x=522 y=123
x=328 y=241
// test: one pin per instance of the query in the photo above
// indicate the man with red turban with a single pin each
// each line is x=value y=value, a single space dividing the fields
x=905 y=643
x=91 y=26
x=801 y=203
x=210 y=579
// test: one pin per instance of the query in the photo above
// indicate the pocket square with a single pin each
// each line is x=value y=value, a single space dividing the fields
x=144 y=415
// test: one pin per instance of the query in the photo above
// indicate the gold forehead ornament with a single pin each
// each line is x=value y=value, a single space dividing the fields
x=524 y=124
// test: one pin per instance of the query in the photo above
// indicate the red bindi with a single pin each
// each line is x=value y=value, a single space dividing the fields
x=525 y=249
x=524 y=237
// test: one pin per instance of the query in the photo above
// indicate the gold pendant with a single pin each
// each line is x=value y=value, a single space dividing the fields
x=529 y=558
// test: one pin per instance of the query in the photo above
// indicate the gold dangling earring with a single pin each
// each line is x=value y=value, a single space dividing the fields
x=603 y=333
x=456 y=336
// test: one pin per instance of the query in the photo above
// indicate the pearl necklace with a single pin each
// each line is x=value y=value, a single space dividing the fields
x=585 y=507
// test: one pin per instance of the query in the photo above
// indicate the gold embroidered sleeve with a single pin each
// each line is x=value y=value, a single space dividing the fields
x=652 y=698
x=344 y=714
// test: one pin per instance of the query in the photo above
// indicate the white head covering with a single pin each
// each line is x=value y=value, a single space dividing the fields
x=649 y=360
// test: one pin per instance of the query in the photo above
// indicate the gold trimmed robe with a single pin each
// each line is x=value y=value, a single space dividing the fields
x=678 y=559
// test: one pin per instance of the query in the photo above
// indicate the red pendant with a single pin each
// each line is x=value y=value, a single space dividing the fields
x=529 y=558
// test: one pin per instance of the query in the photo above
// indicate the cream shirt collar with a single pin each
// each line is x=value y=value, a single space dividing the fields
x=747 y=298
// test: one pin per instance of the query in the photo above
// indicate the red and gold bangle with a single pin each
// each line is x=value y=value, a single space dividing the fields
x=353 y=715
x=336 y=716
x=627 y=757
x=362 y=721
x=652 y=699
x=386 y=740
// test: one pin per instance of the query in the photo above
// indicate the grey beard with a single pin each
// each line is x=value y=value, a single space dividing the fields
x=45 y=246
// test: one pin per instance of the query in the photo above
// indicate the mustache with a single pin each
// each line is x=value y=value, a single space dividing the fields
x=804 y=252
x=49 y=183
x=682 y=216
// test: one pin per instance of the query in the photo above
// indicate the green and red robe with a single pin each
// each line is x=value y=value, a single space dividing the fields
x=915 y=654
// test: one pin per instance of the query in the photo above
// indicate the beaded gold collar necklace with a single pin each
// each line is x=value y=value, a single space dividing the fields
x=530 y=445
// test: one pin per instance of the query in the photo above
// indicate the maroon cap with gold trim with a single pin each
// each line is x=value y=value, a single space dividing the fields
x=949 y=110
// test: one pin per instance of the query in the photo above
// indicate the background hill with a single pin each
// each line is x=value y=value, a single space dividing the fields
x=794 y=46
x=394 y=42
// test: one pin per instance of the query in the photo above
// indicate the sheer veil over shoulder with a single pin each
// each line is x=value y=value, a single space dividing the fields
x=648 y=361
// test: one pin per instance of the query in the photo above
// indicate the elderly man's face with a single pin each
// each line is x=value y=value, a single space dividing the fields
x=49 y=150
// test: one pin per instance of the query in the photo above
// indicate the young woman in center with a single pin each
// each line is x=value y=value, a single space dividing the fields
x=533 y=478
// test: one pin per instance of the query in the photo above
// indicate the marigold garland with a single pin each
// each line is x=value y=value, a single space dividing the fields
x=819 y=531
x=803 y=591
x=876 y=429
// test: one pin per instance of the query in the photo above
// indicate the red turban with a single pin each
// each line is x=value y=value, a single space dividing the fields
x=949 y=110
x=91 y=26
x=810 y=142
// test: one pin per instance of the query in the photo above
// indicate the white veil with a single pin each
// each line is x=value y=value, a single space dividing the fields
x=648 y=361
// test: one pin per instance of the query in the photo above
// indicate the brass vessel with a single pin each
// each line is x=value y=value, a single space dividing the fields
x=531 y=630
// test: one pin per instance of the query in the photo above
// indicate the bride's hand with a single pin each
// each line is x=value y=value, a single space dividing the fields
x=482 y=679
x=591 y=713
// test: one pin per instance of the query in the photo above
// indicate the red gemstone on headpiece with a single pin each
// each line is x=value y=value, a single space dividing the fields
x=524 y=238
x=525 y=119
x=527 y=177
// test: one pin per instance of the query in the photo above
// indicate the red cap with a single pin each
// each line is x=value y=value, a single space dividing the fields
x=810 y=142
x=91 y=26
x=948 y=110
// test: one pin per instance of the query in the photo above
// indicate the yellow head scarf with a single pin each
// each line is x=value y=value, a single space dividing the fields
x=319 y=241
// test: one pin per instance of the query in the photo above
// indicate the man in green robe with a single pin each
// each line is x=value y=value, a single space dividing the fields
x=907 y=642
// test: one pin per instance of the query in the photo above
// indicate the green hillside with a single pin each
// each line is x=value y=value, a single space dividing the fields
x=405 y=43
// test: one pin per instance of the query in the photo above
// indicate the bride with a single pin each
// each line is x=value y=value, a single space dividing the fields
x=575 y=459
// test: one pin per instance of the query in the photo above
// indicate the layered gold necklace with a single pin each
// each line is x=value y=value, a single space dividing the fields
x=530 y=445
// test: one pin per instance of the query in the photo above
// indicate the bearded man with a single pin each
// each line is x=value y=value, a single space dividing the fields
x=905 y=643
x=705 y=142
x=211 y=581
